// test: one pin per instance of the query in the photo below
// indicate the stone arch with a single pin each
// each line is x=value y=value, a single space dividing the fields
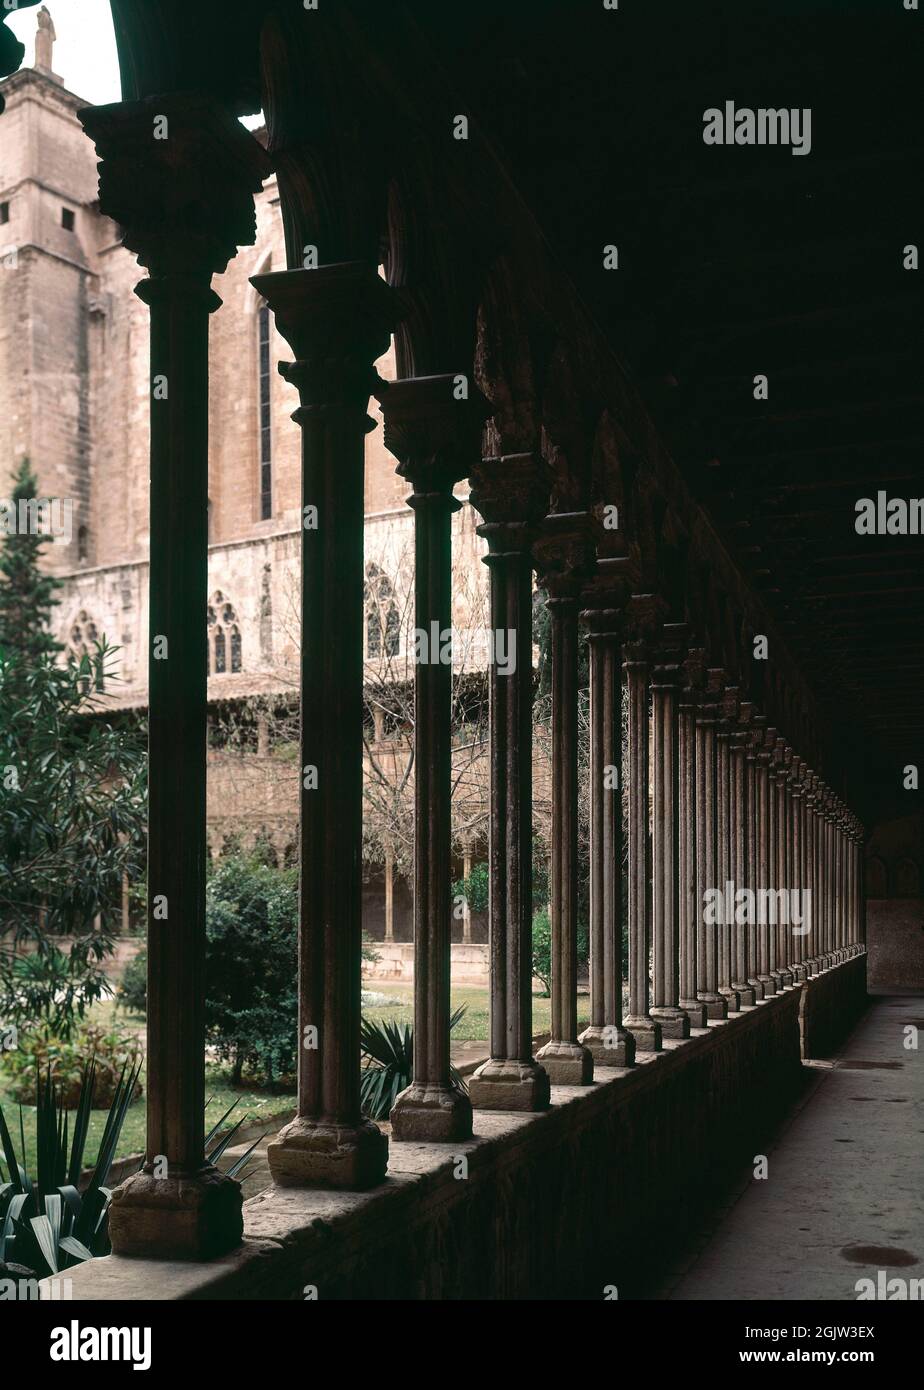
x=511 y=354
x=80 y=640
x=608 y=488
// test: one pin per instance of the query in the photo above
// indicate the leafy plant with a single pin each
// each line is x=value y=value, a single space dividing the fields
x=46 y=1222
x=542 y=949
x=64 y=1061
x=388 y=1051
x=132 y=991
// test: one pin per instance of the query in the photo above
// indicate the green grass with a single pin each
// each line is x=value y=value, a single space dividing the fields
x=473 y=1026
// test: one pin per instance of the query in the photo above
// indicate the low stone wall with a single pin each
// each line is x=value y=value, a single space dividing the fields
x=831 y=1006
x=557 y=1205
x=469 y=962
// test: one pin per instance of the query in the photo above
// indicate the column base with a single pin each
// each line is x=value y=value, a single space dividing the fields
x=716 y=1006
x=507 y=1084
x=178 y=1217
x=799 y=974
x=674 y=1022
x=777 y=978
x=431 y=1113
x=609 y=1045
x=311 y=1153
x=730 y=995
x=756 y=988
x=695 y=1011
x=787 y=978
x=767 y=984
x=746 y=996
x=567 y=1063
x=646 y=1032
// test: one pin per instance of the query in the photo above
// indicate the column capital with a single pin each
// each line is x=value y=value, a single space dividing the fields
x=564 y=553
x=178 y=172
x=605 y=596
x=337 y=320
x=433 y=431
x=512 y=494
x=668 y=650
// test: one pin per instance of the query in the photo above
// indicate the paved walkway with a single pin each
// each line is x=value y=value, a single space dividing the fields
x=843 y=1196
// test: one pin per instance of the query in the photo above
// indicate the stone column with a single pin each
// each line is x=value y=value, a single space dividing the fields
x=606 y=1037
x=796 y=886
x=828 y=869
x=707 y=960
x=564 y=557
x=689 y=907
x=784 y=936
x=840 y=893
x=184 y=205
x=738 y=854
x=389 y=895
x=818 y=882
x=774 y=878
x=436 y=438
x=337 y=320
x=466 y=874
x=752 y=749
x=511 y=494
x=643 y=614
x=728 y=713
x=766 y=938
x=666 y=679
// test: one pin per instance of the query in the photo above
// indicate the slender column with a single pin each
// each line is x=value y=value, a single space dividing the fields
x=511 y=494
x=728 y=713
x=774 y=878
x=809 y=954
x=797 y=896
x=177 y=1206
x=707 y=961
x=830 y=905
x=389 y=895
x=841 y=885
x=738 y=852
x=821 y=902
x=646 y=1031
x=606 y=1037
x=689 y=907
x=337 y=321
x=766 y=940
x=665 y=684
x=784 y=866
x=466 y=873
x=435 y=437
x=564 y=556
x=752 y=860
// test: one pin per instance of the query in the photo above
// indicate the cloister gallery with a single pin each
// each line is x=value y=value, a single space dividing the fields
x=661 y=371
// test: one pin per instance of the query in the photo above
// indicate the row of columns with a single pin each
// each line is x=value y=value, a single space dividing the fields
x=729 y=800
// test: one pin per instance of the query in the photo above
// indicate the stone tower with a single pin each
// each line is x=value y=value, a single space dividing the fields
x=48 y=238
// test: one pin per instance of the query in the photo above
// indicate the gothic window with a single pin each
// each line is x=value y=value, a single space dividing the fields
x=383 y=621
x=225 y=650
x=80 y=646
x=67 y=219
x=82 y=545
x=266 y=434
x=4 y=213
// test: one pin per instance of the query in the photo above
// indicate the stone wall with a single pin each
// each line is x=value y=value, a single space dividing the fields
x=558 y=1205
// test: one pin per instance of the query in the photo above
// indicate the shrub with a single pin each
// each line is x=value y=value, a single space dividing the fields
x=39 y=1057
x=542 y=949
x=132 y=992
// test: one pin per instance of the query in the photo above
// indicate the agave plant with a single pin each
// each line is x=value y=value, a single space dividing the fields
x=388 y=1063
x=47 y=1222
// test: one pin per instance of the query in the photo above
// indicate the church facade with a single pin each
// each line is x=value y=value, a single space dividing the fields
x=75 y=387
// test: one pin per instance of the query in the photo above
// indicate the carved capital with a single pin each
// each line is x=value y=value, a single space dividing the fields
x=512 y=494
x=178 y=173
x=670 y=648
x=337 y=320
x=433 y=431
x=563 y=553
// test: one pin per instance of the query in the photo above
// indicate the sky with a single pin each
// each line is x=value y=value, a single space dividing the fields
x=85 y=50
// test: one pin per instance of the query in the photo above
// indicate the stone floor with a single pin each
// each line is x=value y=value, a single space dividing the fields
x=842 y=1199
